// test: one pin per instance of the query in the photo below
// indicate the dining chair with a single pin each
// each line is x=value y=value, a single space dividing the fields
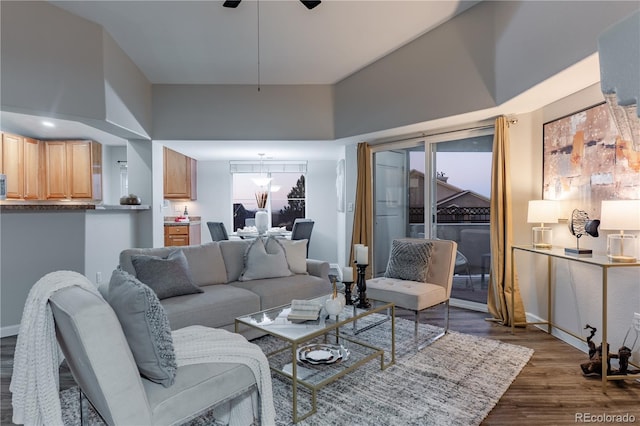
x=218 y=231
x=301 y=230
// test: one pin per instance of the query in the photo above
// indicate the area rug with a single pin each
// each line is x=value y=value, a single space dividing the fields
x=457 y=380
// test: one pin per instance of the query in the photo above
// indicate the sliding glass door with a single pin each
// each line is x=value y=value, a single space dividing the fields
x=398 y=199
x=443 y=193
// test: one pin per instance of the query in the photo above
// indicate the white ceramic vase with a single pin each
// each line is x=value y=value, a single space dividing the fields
x=262 y=221
x=333 y=306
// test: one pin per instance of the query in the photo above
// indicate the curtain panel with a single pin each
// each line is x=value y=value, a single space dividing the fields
x=363 y=214
x=500 y=276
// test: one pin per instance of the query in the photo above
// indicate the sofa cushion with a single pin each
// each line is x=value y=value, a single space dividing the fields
x=206 y=263
x=197 y=388
x=145 y=325
x=167 y=276
x=264 y=262
x=409 y=260
x=217 y=307
x=296 y=252
x=279 y=291
x=233 y=255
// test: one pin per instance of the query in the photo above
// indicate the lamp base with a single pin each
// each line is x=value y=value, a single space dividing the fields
x=578 y=252
x=622 y=248
x=541 y=237
x=542 y=246
x=621 y=259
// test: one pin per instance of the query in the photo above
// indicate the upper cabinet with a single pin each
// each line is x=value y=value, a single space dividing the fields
x=22 y=163
x=73 y=170
x=180 y=176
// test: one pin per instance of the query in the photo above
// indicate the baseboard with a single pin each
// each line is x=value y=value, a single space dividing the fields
x=466 y=304
x=565 y=337
x=11 y=330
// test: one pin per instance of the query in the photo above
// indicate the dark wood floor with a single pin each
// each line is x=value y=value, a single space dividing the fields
x=550 y=390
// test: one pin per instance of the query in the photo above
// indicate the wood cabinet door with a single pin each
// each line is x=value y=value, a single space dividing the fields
x=55 y=186
x=79 y=169
x=177 y=175
x=12 y=155
x=32 y=169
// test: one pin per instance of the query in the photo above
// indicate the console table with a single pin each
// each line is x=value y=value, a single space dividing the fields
x=599 y=261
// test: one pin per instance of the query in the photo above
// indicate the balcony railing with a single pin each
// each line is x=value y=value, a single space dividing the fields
x=453 y=214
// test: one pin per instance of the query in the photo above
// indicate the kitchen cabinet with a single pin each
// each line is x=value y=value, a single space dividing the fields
x=182 y=235
x=73 y=170
x=180 y=176
x=21 y=162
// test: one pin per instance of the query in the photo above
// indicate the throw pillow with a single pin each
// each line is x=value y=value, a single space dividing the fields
x=145 y=325
x=409 y=260
x=168 y=277
x=295 y=251
x=262 y=263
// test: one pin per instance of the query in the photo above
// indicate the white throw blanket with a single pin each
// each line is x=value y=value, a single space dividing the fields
x=193 y=345
x=35 y=380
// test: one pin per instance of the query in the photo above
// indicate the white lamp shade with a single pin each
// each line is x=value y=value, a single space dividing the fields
x=542 y=211
x=620 y=215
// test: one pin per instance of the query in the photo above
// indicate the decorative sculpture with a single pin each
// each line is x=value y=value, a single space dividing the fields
x=594 y=366
x=579 y=224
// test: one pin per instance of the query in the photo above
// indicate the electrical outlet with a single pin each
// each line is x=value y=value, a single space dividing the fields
x=98 y=277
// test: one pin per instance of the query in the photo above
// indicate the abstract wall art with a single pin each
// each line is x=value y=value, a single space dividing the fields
x=586 y=161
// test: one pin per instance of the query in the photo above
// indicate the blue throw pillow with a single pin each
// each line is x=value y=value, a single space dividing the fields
x=145 y=325
x=168 y=277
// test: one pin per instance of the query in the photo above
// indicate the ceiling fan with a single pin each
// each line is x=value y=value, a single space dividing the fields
x=308 y=4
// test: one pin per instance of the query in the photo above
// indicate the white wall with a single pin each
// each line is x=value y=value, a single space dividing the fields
x=214 y=203
x=577 y=287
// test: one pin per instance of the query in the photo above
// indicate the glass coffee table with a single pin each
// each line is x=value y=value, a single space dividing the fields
x=317 y=352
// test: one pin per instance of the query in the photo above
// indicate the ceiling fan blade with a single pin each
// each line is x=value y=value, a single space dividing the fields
x=231 y=3
x=310 y=4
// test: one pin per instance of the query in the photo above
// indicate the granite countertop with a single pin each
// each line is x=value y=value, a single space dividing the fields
x=41 y=205
x=170 y=221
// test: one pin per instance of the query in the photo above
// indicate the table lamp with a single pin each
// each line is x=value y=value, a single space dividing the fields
x=542 y=211
x=621 y=215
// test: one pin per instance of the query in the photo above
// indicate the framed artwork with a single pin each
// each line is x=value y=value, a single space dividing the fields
x=586 y=161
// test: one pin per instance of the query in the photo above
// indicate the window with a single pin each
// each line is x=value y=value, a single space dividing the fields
x=286 y=191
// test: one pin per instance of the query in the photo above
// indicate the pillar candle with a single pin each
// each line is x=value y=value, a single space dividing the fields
x=347 y=274
x=362 y=254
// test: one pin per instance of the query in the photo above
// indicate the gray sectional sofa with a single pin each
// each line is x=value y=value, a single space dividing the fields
x=217 y=268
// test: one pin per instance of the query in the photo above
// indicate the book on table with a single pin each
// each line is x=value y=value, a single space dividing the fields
x=304 y=310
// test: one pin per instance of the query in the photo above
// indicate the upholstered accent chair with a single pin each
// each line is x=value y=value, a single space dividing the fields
x=100 y=359
x=419 y=276
x=218 y=231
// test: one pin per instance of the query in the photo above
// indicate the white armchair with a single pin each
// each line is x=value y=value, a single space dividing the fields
x=433 y=278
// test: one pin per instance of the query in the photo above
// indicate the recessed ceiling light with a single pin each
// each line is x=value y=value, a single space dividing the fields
x=46 y=123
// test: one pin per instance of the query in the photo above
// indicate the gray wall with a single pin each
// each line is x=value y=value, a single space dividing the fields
x=56 y=64
x=479 y=59
x=32 y=245
x=236 y=112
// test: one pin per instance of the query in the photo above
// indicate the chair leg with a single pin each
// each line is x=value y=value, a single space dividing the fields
x=83 y=413
x=439 y=335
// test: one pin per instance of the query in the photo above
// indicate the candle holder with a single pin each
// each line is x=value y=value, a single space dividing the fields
x=362 y=287
x=347 y=292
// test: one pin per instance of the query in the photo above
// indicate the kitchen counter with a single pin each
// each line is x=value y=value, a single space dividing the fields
x=18 y=205
x=170 y=221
